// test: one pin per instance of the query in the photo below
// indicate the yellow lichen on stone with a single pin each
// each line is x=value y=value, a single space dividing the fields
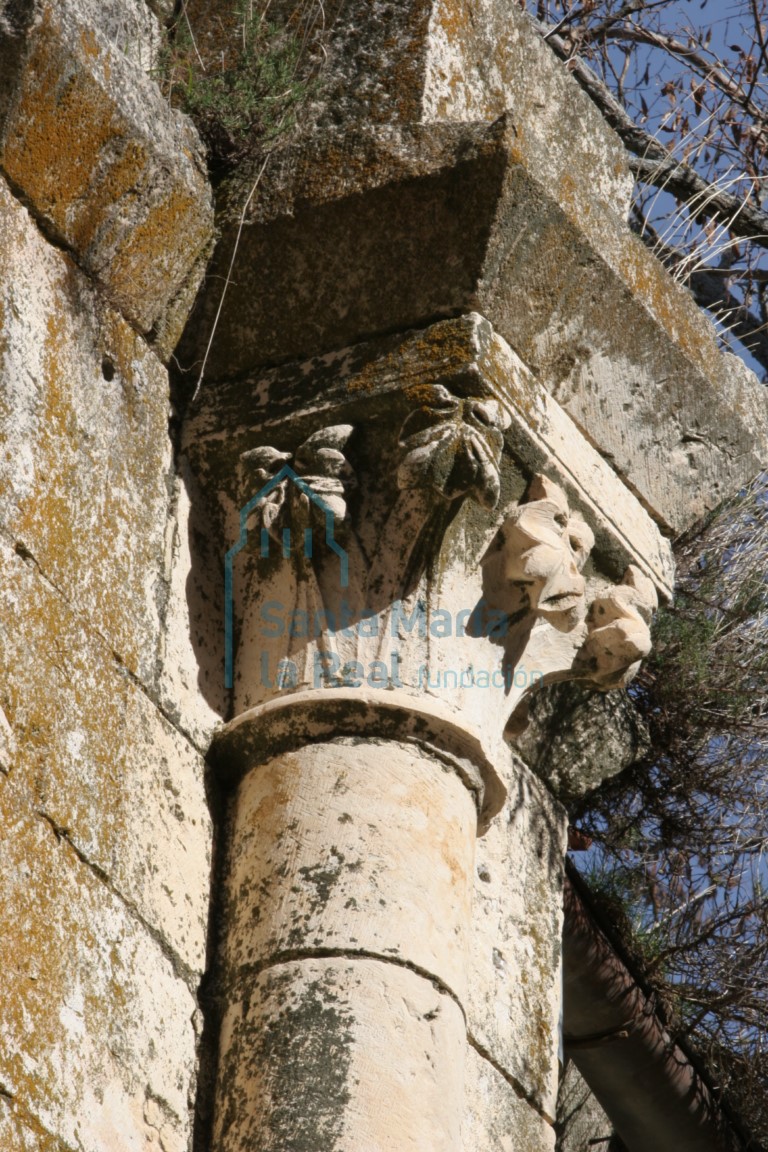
x=110 y=169
x=84 y=451
x=61 y=124
x=170 y=229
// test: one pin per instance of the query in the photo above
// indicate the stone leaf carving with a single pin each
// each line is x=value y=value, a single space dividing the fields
x=619 y=635
x=453 y=446
x=323 y=471
x=449 y=448
x=299 y=501
x=544 y=548
x=535 y=575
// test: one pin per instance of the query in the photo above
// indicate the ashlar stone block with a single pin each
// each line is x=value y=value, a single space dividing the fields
x=107 y=167
x=101 y=763
x=97 y=1044
x=85 y=457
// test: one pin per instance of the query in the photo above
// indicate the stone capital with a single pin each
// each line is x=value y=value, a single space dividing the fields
x=415 y=523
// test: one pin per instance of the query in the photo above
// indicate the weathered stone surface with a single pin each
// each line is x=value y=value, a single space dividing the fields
x=130 y=26
x=106 y=165
x=84 y=450
x=7 y=744
x=458 y=61
x=20 y=1133
x=375 y=388
x=343 y=1056
x=326 y=846
x=580 y=1119
x=97 y=1037
x=400 y=212
x=515 y=961
x=101 y=763
x=496 y=1117
x=163 y=9
x=190 y=666
x=576 y=738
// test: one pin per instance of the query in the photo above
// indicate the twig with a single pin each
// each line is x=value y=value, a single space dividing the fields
x=228 y=279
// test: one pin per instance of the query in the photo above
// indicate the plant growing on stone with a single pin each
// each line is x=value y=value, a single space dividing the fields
x=241 y=78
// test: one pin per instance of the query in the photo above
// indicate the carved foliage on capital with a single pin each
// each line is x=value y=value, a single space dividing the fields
x=452 y=446
x=300 y=490
x=335 y=553
x=356 y=553
x=536 y=576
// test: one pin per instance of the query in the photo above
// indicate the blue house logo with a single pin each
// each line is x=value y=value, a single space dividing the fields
x=286 y=473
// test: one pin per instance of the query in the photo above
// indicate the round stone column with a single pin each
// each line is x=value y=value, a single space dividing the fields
x=343 y=963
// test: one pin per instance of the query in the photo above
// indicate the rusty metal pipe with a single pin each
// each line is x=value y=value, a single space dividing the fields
x=656 y=1098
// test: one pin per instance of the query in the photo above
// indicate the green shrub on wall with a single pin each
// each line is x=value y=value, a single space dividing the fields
x=238 y=75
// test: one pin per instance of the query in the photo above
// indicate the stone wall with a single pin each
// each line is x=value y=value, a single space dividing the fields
x=580 y=1119
x=106 y=845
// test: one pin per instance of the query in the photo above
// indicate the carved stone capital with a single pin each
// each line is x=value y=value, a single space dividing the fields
x=453 y=446
x=418 y=517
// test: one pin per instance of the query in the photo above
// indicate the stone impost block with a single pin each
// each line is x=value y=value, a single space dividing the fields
x=454 y=166
x=326 y=846
x=342 y=1055
x=85 y=457
x=97 y=1046
x=106 y=166
x=100 y=762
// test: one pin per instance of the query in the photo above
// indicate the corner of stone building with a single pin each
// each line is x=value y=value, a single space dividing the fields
x=105 y=220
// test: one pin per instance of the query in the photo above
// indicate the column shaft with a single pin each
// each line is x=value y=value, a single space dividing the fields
x=344 y=956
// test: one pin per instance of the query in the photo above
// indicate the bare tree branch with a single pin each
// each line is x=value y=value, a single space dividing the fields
x=654 y=164
x=710 y=70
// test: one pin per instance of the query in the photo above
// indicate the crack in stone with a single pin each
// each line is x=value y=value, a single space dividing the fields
x=289 y=956
x=513 y=1082
x=24 y=553
x=181 y=970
